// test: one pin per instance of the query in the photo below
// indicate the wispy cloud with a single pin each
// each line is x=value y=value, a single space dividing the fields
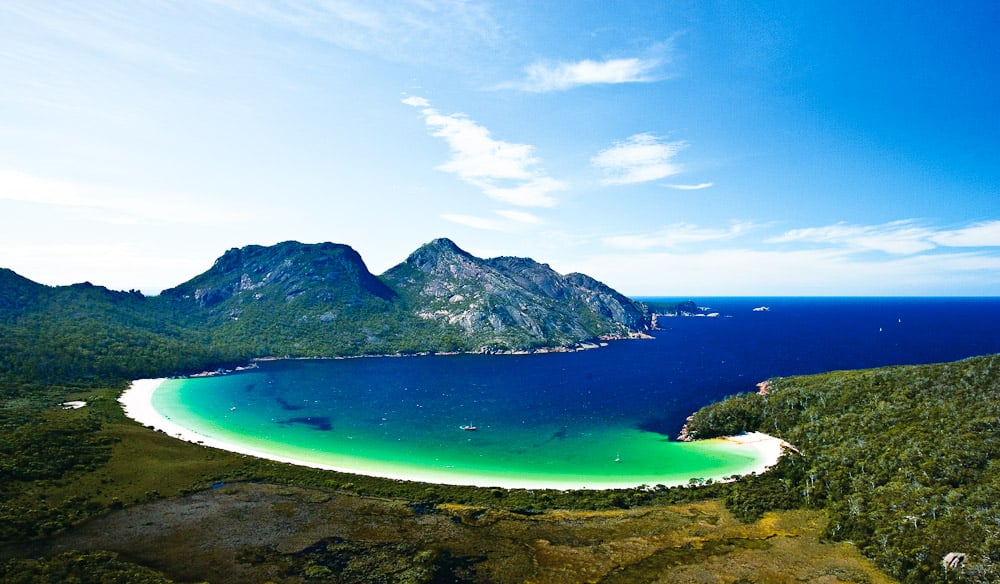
x=985 y=234
x=475 y=222
x=755 y=272
x=520 y=216
x=640 y=158
x=511 y=220
x=897 y=257
x=677 y=235
x=110 y=205
x=405 y=30
x=110 y=30
x=696 y=187
x=902 y=237
x=560 y=76
x=896 y=237
x=545 y=76
x=416 y=101
x=535 y=192
x=504 y=171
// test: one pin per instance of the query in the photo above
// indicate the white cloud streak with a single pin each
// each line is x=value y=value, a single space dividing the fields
x=901 y=237
x=819 y=272
x=696 y=187
x=110 y=30
x=415 y=101
x=837 y=259
x=511 y=220
x=544 y=77
x=641 y=158
x=677 y=235
x=535 y=192
x=520 y=216
x=108 y=205
x=503 y=171
x=548 y=75
x=402 y=30
x=985 y=234
x=897 y=237
x=475 y=222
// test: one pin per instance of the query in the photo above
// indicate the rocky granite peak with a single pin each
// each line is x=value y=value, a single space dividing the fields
x=509 y=301
x=325 y=271
x=442 y=251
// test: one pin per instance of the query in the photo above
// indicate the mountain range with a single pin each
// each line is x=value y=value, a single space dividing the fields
x=306 y=300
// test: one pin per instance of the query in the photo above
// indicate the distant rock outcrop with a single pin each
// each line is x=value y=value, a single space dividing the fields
x=953 y=560
x=509 y=302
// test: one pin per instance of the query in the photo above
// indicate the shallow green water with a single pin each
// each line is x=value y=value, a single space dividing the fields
x=402 y=417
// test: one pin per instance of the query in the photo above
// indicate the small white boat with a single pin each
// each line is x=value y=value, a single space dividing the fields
x=468 y=428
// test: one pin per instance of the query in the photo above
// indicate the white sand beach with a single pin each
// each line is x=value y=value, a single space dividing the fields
x=768 y=447
x=137 y=404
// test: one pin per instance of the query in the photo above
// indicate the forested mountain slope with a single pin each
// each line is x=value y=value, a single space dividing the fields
x=89 y=333
x=303 y=300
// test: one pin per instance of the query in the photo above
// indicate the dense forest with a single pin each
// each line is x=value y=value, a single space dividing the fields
x=904 y=459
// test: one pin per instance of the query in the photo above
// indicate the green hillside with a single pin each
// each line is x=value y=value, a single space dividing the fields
x=906 y=461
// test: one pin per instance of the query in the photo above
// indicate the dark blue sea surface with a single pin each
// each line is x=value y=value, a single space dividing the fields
x=607 y=410
x=698 y=360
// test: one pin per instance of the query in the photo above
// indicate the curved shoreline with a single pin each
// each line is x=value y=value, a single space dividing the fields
x=136 y=401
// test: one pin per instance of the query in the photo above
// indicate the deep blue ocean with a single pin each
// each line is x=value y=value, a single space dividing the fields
x=603 y=412
x=695 y=360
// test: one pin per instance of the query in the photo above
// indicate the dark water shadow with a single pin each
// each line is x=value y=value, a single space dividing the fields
x=317 y=423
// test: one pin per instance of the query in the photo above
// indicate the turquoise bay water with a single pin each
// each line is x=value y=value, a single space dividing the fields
x=566 y=417
x=403 y=417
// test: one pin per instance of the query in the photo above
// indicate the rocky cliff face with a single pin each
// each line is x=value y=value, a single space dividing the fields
x=607 y=303
x=323 y=273
x=510 y=302
x=289 y=299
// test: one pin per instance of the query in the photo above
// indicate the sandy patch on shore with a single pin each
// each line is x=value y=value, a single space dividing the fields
x=768 y=447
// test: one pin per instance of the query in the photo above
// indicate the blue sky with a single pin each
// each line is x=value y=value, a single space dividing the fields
x=666 y=148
